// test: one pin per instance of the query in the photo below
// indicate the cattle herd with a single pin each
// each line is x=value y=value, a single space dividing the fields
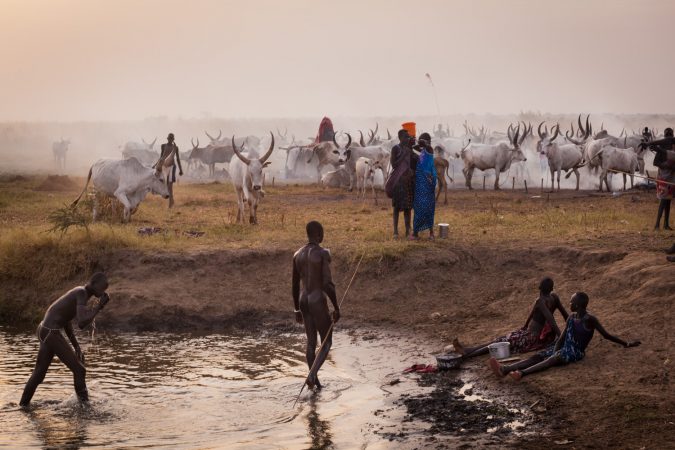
x=354 y=163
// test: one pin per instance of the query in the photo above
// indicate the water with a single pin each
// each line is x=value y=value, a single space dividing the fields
x=190 y=391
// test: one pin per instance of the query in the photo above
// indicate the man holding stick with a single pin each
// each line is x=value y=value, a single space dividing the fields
x=311 y=266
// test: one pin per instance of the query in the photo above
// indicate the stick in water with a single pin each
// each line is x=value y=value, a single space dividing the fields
x=330 y=330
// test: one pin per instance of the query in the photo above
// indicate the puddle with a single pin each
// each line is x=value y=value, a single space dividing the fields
x=237 y=391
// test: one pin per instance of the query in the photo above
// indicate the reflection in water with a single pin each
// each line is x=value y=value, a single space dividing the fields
x=317 y=429
x=195 y=391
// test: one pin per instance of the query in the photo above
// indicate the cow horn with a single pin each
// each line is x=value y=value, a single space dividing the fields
x=209 y=136
x=152 y=144
x=515 y=138
x=581 y=127
x=349 y=141
x=557 y=132
x=571 y=129
x=508 y=132
x=372 y=137
x=269 y=152
x=388 y=135
x=589 y=127
x=220 y=134
x=244 y=159
x=524 y=135
x=377 y=127
x=572 y=140
x=602 y=126
x=334 y=140
x=541 y=136
x=361 y=141
x=279 y=133
x=193 y=144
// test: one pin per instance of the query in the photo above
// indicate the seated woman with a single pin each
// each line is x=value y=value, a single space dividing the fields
x=540 y=329
x=570 y=346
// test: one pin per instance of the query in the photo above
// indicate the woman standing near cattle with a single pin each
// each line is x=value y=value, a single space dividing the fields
x=400 y=185
x=425 y=189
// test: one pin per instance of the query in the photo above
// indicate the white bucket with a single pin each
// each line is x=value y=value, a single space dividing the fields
x=500 y=350
x=443 y=230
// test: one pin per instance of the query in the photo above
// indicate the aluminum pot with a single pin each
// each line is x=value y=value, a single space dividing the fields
x=443 y=230
x=500 y=350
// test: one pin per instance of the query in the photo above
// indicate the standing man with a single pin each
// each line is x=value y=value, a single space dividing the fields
x=73 y=304
x=311 y=267
x=400 y=186
x=167 y=160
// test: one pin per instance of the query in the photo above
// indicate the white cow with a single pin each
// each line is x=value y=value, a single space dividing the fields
x=60 y=148
x=246 y=172
x=127 y=180
x=560 y=156
x=621 y=159
x=492 y=156
x=365 y=173
x=330 y=154
x=335 y=178
x=375 y=153
x=142 y=151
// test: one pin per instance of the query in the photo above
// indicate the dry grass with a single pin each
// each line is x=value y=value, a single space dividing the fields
x=30 y=255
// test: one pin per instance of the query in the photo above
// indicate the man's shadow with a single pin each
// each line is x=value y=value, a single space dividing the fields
x=318 y=430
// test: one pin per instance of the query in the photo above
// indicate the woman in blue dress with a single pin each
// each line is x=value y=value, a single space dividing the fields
x=424 y=203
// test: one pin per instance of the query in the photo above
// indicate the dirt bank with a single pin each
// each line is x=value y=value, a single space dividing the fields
x=615 y=398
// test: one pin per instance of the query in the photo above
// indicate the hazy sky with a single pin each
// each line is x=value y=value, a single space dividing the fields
x=123 y=59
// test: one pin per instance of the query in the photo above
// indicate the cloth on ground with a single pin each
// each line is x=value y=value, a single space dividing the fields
x=421 y=368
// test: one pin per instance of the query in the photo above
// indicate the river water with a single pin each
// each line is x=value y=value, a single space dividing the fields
x=207 y=391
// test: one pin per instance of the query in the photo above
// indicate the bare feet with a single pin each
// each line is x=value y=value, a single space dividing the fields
x=496 y=367
x=516 y=375
x=458 y=347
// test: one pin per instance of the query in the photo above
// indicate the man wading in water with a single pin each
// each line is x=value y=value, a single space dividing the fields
x=311 y=264
x=73 y=304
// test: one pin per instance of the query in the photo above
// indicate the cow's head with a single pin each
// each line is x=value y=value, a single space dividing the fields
x=516 y=140
x=255 y=166
x=150 y=145
x=343 y=153
x=545 y=140
x=156 y=184
x=582 y=133
x=216 y=140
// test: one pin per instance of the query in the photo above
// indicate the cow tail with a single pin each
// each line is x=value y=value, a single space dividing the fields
x=74 y=204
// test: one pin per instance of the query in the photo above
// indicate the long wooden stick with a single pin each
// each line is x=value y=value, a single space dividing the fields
x=330 y=330
x=641 y=176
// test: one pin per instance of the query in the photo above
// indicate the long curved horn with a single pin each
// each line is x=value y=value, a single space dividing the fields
x=508 y=132
x=589 y=127
x=388 y=135
x=377 y=127
x=361 y=141
x=572 y=140
x=209 y=136
x=193 y=144
x=279 y=133
x=515 y=138
x=349 y=141
x=524 y=135
x=541 y=136
x=557 y=132
x=152 y=144
x=244 y=159
x=220 y=134
x=334 y=141
x=571 y=128
x=269 y=152
x=581 y=127
x=372 y=137
x=602 y=126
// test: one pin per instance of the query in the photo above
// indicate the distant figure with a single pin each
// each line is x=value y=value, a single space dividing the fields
x=400 y=185
x=60 y=148
x=424 y=202
x=168 y=158
x=326 y=131
x=73 y=304
x=665 y=184
x=440 y=133
x=570 y=346
x=311 y=269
